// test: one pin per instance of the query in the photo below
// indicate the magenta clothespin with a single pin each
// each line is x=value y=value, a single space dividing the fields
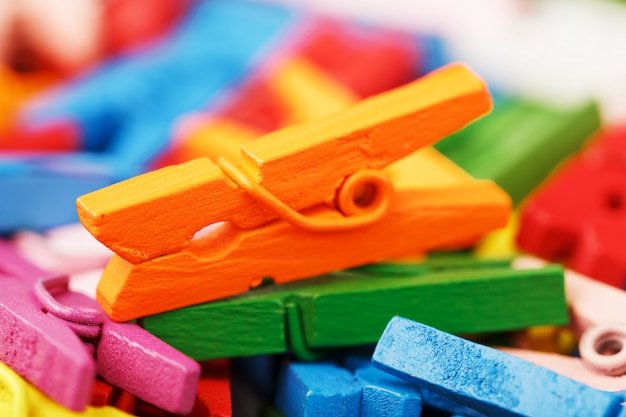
x=49 y=335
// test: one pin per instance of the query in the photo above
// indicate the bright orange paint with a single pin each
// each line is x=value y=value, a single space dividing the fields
x=150 y=220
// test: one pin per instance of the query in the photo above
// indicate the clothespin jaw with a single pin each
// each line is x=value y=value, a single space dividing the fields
x=346 y=181
x=315 y=156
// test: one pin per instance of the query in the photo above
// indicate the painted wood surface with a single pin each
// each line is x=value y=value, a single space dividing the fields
x=434 y=205
x=521 y=136
x=459 y=301
x=483 y=378
x=159 y=212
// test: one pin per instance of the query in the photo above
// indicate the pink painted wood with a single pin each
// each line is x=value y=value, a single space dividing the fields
x=40 y=320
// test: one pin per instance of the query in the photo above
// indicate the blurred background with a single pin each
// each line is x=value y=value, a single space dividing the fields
x=97 y=91
x=93 y=92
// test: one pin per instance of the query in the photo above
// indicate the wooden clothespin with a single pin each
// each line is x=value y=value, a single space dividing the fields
x=485 y=379
x=311 y=317
x=58 y=340
x=576 y=217
x=342 y=191
x=571 y=367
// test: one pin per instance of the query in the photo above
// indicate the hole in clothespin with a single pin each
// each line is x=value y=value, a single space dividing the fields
x=609 y=347
x=602 y=348
x=363 y=192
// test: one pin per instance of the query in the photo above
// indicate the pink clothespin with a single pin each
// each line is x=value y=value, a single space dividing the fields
x=598 y=312
x=571 y=367
x=67 y=249
x=50 y=336
x=598 y=318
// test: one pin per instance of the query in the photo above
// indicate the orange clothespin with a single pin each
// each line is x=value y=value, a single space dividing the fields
x=313 y=198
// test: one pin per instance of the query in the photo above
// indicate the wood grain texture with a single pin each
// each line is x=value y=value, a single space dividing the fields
x=485 y=379
x=353 y=307
x=228 y=261
x=303 y=165
x=521 y=142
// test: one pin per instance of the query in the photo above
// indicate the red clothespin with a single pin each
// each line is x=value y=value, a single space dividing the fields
x=577 y=216
x=50 y=337
x=328 y=66
x=342 y=191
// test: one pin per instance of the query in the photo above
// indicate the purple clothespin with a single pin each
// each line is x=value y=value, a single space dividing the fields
x=50 y=336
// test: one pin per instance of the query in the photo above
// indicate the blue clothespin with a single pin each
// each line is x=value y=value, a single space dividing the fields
x=127 y=106
x=123 y=112
x=318 y=389
x=50 y=336
x=360 y=360
x=327 y=389
x=41 y=190
x=485 y=379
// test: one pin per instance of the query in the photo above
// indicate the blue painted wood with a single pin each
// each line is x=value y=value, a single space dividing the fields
x=125 y=108
x=386 y=395
x=318 y=390
x=487 y=380
x=356 y=360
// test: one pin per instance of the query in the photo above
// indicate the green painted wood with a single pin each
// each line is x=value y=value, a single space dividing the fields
x=520 y=143
x=471 y=301
x=352 y=307
x=243 y=326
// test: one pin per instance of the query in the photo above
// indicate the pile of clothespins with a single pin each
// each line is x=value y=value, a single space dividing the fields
x=237 y=208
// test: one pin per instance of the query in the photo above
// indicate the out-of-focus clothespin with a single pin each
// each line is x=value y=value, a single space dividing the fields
x=63 y=250
x=125 y=108
x=521 y=136
x=61 y=36
x=328 y=66
x=51 y=337
x=485 y=379
x=43 y=187
x=571 y=367
x=40 y=35
x=576 y=216
x=16 y=90
x=352 y=204
x=113 y=120
x=596 y=311
x=128 y=26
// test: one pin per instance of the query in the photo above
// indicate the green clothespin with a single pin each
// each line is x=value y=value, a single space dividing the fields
x=352 y=308
x=520 y=142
